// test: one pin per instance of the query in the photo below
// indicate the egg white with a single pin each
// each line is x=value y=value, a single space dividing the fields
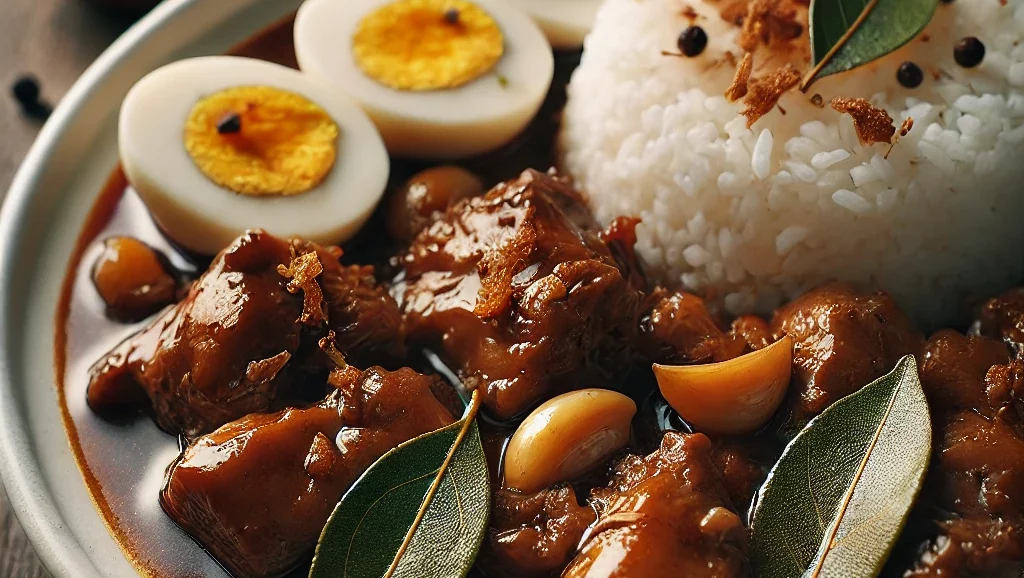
x=204 y=217
x=452 y=123
x=565 y=22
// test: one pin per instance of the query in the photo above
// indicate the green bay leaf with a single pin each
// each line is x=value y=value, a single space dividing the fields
x=420 y=510
x=837 y=499
x=861 y=31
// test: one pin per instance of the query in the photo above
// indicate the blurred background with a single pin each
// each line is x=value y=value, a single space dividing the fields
x=44 y=46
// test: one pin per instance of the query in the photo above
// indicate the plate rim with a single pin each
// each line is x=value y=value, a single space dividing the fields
x=31 y=499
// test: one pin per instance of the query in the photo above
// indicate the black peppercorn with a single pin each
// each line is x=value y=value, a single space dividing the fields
x=969 y=52
x=451 y=16
x=230 y=123
x=692 y=41
x=26 y=90
x=910 y=75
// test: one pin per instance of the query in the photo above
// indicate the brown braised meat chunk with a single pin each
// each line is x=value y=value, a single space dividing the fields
x=132 y=279
x=257 y=492
x=679 y=329
x=534 y=535
x=245 y=334
x=974 y=493
x=753 y=330
x=1003 y=318
x=519 y=294
x=666 y=514
x=842 y=341
x=953 y=368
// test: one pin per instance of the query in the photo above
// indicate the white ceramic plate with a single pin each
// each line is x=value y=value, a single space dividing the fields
x=40 y=221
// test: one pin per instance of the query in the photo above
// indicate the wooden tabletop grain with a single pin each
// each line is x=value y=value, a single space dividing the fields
x=54 y=40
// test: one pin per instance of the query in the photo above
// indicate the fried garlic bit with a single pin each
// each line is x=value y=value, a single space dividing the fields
x=421 y=45
x=769 y=23
x=303 y=271
x=500 y=265
x=261 y=141
x=907 y=126
x=329 y=346
x=738 y=88
x=873 y=125
x=764 y=92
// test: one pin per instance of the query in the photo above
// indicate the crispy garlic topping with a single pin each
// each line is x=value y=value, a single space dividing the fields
x=421 y=45
x=260 y=141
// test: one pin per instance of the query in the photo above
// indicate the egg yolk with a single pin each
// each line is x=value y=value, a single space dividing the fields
x=420 y=45
x=262 y=141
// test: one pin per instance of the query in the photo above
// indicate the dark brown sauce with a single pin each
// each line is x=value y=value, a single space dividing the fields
x=123 y=465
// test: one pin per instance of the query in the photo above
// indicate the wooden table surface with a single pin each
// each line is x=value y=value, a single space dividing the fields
x=54 y=40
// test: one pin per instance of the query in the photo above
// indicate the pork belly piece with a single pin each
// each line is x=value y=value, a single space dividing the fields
x=257 y=492
x=969 y=520
x=517 y=291
x=842 y=341
x=666 y=514
x=246 y=334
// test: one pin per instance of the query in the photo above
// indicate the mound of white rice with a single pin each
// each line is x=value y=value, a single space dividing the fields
x=755 y=216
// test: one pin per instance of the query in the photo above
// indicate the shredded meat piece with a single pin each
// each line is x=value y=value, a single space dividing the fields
x=303 y=271
x=738 y=88
x=873 y=125
x=768 y=23
x=765 y=91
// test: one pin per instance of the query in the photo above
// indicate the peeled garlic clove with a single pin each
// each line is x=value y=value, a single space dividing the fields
x=567 y=436
x=731 y=397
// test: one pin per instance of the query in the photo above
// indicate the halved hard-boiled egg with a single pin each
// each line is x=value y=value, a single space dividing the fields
x=439 y=78
x=218 y=145
x=565 y=22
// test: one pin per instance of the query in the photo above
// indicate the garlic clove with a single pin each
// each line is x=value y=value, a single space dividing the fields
x=731 y=397
x=567 y=436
